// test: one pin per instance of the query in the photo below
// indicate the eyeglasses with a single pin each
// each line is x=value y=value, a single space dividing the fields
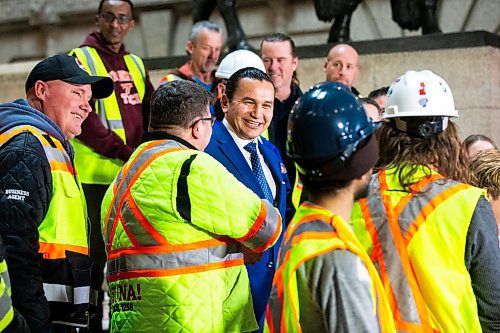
x=211 y=119
x=121 y=19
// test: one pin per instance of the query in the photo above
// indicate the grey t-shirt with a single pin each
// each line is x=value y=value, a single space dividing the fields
x=334 y=294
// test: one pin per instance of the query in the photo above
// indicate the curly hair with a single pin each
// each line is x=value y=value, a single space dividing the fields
x=485 y=167
x=443 y=152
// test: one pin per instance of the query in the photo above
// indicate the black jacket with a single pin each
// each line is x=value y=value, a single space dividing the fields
x=25 y=194
x=279 y=127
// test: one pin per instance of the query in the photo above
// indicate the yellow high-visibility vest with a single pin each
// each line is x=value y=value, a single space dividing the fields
x=172 y=223
x=63 y=231
x=417 y=242
x=92 y=167
x=303 y=241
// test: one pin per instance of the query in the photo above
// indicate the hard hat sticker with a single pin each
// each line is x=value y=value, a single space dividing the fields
x=423 y=102
x=421 y=91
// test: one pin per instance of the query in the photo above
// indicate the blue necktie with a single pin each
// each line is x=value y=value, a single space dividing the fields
x=258 y=171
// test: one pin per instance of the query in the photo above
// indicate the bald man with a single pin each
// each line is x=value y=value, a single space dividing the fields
x=341 y=65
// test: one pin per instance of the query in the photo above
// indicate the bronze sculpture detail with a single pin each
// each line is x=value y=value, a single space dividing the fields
x=236 y=37
x=409 y=14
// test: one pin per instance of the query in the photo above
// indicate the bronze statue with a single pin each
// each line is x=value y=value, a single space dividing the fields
x=236 y=37
x=408 y=14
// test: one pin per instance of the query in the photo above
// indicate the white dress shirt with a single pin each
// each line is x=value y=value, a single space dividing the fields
x=241 y=143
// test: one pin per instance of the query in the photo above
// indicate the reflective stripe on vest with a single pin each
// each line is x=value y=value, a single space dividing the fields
x=107 y=109
x=316 y=231
x=152 y=254
x=5 y=275
x=67 y=203
x=66 y=294
x=95 y=168
x=391 y=233
x=6 y=310
x=137 y=71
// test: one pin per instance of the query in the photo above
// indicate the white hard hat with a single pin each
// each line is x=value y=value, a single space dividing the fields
x=419 y=94
x=237 y=60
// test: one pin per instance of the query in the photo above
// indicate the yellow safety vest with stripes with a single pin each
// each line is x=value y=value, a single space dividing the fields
x=172 y=221
x=92 y=167
x=313 y=231
x=63 y=232
x=6 y=310
x=408 y=237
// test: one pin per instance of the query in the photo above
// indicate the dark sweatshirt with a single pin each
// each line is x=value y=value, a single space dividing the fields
x=134 y=115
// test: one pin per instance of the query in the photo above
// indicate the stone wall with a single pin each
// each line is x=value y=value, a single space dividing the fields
x=33 y=29
x=470 y=63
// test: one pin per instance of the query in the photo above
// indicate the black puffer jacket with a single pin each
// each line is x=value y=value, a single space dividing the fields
x=25 y=194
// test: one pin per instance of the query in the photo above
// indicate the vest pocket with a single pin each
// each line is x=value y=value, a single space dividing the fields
x=70 y=189
x=67 y=288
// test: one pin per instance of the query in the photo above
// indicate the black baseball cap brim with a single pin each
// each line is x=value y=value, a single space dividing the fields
x=102 y=86
x=69 y=69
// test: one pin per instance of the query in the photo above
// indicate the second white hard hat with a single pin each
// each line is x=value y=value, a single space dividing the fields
x=237 y=60
x=419 y=94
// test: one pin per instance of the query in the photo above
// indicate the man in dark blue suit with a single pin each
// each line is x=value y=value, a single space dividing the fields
x=248 y=107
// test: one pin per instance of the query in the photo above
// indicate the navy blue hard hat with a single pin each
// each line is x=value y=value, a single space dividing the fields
x=326 y=126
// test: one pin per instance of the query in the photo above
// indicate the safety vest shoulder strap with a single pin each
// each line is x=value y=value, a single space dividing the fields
x=107 y=109
x=315 y=231
x=7 y=135
x=126 y=179
x=137 y=70
x=93 y=63
x=91 y=60
x=56 y=155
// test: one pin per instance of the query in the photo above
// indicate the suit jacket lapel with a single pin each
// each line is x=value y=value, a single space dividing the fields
x=233 y=154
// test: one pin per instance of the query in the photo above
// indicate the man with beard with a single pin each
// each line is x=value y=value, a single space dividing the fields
x=203 y=47
x=114 y=130
x=325 y=281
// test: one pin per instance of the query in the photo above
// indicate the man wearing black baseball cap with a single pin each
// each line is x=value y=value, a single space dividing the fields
x=42 y=207
x=71 y=70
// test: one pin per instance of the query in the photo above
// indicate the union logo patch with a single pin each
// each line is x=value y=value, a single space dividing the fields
x=79 y=64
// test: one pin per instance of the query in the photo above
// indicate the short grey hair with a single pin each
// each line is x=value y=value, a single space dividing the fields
x=199 y=26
